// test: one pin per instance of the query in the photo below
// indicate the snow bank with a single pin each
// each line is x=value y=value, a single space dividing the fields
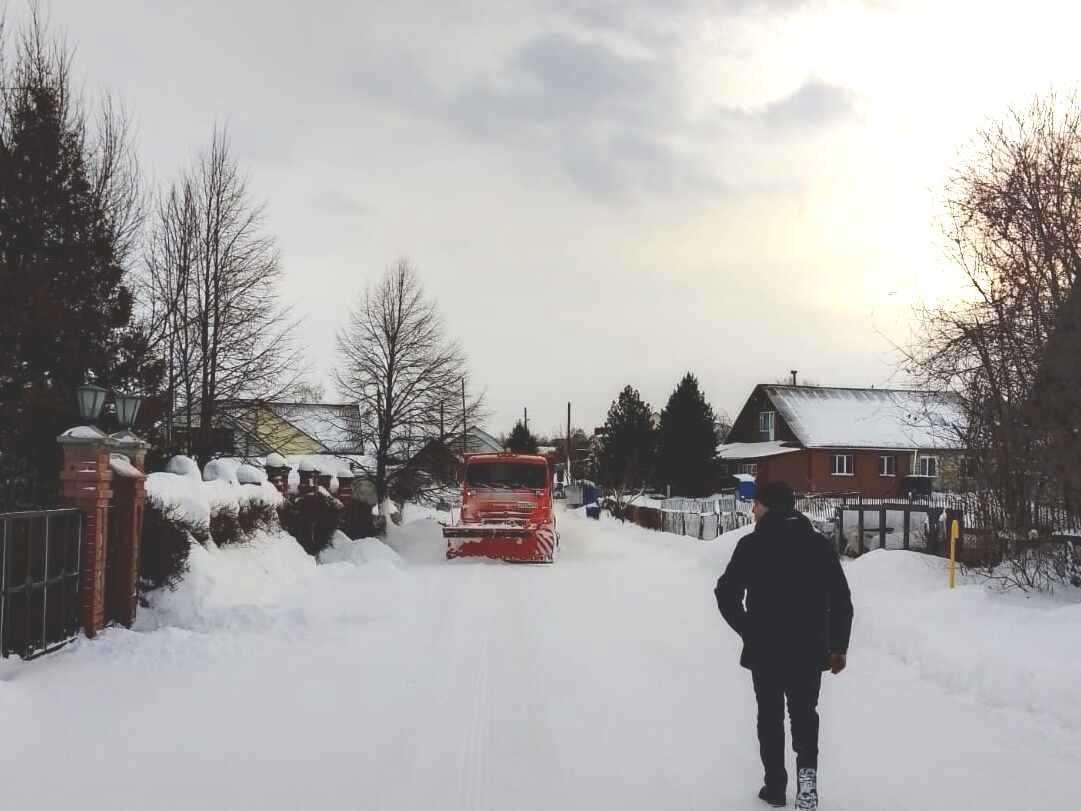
x=344 y=549
x=231 y=587
x=271 y=583
x=1008 y=650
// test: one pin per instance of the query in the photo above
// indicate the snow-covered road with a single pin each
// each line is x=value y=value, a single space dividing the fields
x=605 y=681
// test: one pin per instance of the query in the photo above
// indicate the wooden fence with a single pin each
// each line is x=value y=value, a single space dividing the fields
x=694 y=518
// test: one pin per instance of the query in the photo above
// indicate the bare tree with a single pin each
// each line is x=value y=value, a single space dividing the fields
x=407 y=376
x=1014 y=229
x=210 y=289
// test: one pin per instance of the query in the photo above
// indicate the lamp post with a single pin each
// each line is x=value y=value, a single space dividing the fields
x=91 y=400
x=127 y=408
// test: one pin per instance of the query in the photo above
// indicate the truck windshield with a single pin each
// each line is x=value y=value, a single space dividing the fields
x=509 y=475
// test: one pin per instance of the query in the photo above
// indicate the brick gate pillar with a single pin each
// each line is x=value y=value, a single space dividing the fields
x=129 y=485
x=86 y=483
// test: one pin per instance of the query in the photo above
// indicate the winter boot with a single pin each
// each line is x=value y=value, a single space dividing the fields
x=773 y=796
x=807 y=799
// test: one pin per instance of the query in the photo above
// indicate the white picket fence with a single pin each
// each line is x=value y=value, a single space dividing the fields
x=704 y=519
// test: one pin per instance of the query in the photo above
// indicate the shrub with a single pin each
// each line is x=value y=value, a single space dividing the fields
x=255 y=515
x=225 y=524
x=166 y=544
x=312 y=519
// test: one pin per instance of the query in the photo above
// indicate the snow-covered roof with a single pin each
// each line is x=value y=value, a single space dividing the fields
x=754 y=450
x=480 y=441
x=870 y=418
x=335 y=426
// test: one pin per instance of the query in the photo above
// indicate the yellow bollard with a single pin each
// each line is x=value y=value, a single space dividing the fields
x=955 y=531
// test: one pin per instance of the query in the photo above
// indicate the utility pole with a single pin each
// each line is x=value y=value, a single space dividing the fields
x=525 y=417
x=568 y=477
x=463 y=421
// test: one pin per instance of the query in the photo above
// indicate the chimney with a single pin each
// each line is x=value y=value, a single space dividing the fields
x=794 y=373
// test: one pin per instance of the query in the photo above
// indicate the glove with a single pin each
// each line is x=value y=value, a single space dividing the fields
x=837 y=663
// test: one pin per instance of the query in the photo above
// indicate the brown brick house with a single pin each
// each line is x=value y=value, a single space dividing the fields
x=832 y=440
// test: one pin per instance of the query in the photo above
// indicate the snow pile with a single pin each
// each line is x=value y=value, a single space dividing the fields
x=1007 y=650
x=344 y=549
x=271 y=583
x=121 y=466
x=231 y=587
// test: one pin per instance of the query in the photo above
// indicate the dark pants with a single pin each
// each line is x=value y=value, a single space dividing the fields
x=800 y=687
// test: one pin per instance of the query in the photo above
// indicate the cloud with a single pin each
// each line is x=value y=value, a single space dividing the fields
x=610 y=112
x=608 y=119
x=615 y=122
x=813 y=106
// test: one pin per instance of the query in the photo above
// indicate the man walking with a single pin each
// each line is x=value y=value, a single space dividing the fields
x=795 y=624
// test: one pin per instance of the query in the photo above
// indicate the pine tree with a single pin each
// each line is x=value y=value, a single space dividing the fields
x=64 y=310
x=521 y=440
x=628 y=457
x=688 y=441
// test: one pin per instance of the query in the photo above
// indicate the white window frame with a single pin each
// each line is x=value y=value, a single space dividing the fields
x=770 y=420
x=849 y=465
x=887 y=466
x=926 y=465
x=748 y=469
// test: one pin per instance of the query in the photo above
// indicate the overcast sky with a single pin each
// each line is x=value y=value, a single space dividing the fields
x=597 y=193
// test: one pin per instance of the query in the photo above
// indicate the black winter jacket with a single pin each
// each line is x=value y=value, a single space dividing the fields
x=798 y=606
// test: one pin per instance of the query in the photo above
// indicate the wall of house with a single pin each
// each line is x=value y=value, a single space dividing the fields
x=949 y=471
x=791 y=468
x=866 y=478
x=811 y=471
x=745 y=428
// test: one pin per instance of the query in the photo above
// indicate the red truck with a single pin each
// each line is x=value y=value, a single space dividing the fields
x=506 y=510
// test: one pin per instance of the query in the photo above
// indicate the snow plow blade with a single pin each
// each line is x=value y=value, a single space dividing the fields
x=513 y=543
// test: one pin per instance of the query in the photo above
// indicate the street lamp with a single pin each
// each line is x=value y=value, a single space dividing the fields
x=127 y=408
x=91 y=399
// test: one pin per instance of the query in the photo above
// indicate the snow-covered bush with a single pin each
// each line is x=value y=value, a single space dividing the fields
x=257 y=501
x=249 y=474
x=220 y=470
x=166 y=546
x=185 y=507
x=176 y=515
x=184 y=466
x=312 y=519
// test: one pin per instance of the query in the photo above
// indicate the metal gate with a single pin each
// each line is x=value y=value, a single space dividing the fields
x=39 y=580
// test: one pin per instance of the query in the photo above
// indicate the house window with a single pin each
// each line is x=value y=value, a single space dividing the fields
x=844 y=464
x=968 y=467
x=766 y=421
x=928 y=465
x=887 y=466
x=749 y=468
